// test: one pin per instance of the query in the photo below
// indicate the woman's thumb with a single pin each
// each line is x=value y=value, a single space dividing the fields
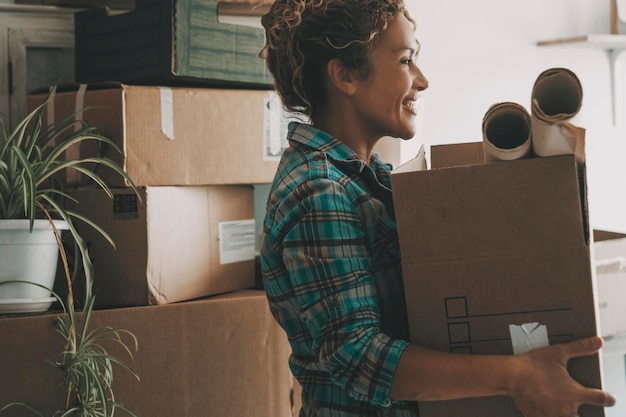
x=583 y=347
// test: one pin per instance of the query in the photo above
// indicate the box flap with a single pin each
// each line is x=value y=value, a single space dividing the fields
x=444 y=156
x=480 y=210
x=418 y=163
x=600 y=235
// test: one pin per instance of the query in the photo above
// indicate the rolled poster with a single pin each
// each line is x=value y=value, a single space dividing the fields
x=556 y=99
x=506 y=132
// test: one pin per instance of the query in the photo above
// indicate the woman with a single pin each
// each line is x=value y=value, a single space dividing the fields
x=329 y=250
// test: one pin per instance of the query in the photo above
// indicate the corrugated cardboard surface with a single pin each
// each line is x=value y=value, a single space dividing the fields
x=221 y=356
x=168 y=40
x=202 y=137
x=489 y=245
x=469 y=153
x=611 y=247
x=168 y=250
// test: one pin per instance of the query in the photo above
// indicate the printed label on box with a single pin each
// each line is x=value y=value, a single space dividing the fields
x=275 y=125
x=125 y=207
x=236 y=241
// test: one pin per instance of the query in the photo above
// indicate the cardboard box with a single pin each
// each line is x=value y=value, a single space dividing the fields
x=179 y=136
x=220 y=356
x=612 y=308
x=168 y=41
x=486 y=246
x=609 y=246
x=183 y=243
x=243 y=12
x=610 y=256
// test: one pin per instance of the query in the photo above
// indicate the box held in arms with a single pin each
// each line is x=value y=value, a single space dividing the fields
x=490 y=250
x=221 y=356
x=168 y=42
x=178 y=243
x=177 y=136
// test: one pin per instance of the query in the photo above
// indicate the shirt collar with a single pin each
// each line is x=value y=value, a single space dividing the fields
x=331 y=146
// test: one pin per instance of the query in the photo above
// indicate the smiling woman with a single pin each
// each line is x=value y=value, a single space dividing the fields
x=365 y=76
x=330 y=255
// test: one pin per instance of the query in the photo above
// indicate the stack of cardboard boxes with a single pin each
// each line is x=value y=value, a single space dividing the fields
x=195 y=153
x=197 y=125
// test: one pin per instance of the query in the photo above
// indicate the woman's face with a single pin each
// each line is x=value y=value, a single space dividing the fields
x=386 y=99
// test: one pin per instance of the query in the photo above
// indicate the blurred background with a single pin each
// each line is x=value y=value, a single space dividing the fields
x=482 y=52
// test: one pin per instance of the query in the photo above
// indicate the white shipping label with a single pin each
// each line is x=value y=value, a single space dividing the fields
x=237 y=241
x=167 y=112
x=275 y=126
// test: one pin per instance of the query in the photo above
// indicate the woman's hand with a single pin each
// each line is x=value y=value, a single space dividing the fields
x=537 y=381
x=542 y=386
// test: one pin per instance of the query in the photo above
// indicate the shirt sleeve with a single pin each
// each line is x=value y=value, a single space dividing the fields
x=326 y=253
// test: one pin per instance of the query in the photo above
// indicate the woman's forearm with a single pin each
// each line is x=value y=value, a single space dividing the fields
x=537 y=381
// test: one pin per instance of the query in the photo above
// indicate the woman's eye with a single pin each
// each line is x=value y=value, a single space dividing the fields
x=406 y=61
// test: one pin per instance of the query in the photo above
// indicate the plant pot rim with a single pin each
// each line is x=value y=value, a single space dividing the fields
x=16 y=224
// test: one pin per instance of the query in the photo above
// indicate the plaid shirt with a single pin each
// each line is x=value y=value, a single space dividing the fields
x=331 y=268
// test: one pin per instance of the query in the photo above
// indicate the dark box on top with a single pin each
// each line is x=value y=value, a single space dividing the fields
x=168 y=42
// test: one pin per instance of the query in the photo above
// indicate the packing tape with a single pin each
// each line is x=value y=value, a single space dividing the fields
x=167 y=112
x=50 y=117
x=528 y=336
x=73 y=152
x=275 y=131
x=79 y=105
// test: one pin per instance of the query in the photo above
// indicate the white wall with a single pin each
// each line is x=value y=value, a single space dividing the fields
x=476 y=53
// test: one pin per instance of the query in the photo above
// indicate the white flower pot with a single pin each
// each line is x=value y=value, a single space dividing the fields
x=31 y=257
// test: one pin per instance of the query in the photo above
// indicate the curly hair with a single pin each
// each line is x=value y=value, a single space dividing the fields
x=302 y=36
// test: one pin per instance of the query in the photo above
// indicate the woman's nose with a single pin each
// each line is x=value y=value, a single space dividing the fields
x=420 y=81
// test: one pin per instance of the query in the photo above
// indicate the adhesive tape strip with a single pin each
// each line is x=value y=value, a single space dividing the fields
x=528 y=336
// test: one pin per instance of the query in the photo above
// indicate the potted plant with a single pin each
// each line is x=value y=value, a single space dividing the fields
x=33 y=156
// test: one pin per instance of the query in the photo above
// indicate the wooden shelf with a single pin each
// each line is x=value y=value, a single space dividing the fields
x=594 y=40
x=613 y=44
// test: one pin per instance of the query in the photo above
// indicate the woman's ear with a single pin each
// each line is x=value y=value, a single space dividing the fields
x=340 y=77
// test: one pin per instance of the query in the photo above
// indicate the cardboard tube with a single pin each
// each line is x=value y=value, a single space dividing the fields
x=556 y=99
x=506 y=132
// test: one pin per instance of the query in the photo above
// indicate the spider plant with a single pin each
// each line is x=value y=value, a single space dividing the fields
x=33 y=156
x=32 y=160
x=86 y=365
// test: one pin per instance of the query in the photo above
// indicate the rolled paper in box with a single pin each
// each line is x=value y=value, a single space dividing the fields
x=506 y=132
x=556 y=98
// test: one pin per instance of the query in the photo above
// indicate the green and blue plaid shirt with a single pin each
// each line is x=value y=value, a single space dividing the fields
x=331 y=268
